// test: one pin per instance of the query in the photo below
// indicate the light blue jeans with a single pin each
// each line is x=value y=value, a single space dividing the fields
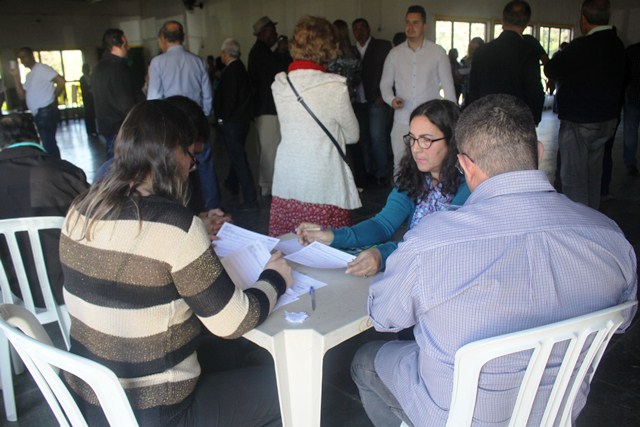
x=379 y=403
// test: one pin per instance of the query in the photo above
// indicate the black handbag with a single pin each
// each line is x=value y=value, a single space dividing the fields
x=306 y=107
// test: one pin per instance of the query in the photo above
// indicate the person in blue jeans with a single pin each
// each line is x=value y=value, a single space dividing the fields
x=427 y=181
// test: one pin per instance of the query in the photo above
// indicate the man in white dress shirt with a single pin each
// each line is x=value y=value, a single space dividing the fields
x=418 y=69
x=41 y=89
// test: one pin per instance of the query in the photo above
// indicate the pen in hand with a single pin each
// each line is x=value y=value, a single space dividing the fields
x=312 y=295
x=295 y=229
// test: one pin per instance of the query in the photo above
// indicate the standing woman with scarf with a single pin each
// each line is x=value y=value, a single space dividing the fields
x=312 y=182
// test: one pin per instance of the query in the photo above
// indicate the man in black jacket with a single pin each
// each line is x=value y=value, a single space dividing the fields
x=372 y=112
x=509 y=64
x=114 y=90
x=232 y=107
x=34 y=183
x=264 y=64
x=591 y=75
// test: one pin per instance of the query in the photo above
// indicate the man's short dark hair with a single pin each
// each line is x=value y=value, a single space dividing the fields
x=418 y=9
x=26 y=50
x=112 y=37
x=498 y=134
x=17 y=127
x=517 y=13
x=597 y=12
x=176 y=35
x=359 y=20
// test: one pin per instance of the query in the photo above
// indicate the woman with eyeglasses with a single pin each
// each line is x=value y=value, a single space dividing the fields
x=141 y=279
x=427 y=181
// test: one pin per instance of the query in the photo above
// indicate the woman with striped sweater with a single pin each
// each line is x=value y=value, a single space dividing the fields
x=141 y=279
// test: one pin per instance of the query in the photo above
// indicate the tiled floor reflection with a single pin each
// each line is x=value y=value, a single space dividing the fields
x=616 y=387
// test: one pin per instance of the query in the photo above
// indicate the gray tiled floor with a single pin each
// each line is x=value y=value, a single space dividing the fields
x=615 y=390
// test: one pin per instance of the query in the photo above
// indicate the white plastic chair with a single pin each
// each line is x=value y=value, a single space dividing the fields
x=52 y=312
x=469 y=360
x=43 y=361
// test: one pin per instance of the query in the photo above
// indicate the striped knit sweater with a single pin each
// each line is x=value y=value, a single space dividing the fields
x=137 y=294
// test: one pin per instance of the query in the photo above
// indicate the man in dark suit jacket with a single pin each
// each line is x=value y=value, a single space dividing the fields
x=233 y=110
x=114 y=91
x=263 y=65
x=370 y=109
x=509 y=64
x=591 y=75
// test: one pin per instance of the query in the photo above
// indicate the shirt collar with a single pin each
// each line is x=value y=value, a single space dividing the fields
x=175 y=46
x=600 y=28
x=366 y=44
x=528 y=181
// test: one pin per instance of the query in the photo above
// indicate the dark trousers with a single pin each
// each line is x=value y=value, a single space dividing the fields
x=109 y=141
x=234 y=136
x=47 y=120
x=607 y=162
x=238 y=397
x=232 y=391
x=374 y=136
x=208 y=179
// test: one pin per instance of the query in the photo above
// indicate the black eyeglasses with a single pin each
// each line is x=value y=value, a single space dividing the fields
x=194 y=162
x=423 y=141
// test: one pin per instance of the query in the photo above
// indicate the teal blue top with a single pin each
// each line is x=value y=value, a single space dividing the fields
x=379 y=229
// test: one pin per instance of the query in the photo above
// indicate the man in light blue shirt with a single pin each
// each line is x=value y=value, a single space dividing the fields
x=180 y=72
x=516 y=255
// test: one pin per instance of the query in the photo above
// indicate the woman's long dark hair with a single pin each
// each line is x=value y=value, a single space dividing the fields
x=444 y=114
x=145 y=146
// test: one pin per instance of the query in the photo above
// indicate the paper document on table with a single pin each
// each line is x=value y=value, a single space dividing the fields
x=300 y=287
x=245 y=265
x=289 y=246
x=321 y=256
x=232 y=238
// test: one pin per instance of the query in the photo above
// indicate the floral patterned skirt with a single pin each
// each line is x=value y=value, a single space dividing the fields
x=288 y=213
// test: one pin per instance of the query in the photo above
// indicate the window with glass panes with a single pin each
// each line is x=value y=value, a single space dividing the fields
x=552 y=37
x=452 y=34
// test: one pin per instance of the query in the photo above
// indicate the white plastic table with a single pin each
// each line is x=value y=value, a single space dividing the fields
x=298 y=349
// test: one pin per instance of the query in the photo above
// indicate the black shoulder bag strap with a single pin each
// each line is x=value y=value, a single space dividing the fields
x=306 y=107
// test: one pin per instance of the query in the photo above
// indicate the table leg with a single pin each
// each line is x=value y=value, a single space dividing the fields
x=298 y=356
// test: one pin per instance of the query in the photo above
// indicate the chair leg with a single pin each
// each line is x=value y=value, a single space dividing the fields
x=18 y=366
x=6 y=379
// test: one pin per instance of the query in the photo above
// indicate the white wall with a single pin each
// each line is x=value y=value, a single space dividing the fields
x=66 y=24
x=234 y=18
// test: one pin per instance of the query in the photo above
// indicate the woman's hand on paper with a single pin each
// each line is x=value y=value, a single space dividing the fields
x=213 y=220
x=279 y=264
x=309 y=233
x=366 y=264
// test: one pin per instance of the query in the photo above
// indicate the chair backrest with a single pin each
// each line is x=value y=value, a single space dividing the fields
x=32 y=226
x=43 y=361
x=587 y=337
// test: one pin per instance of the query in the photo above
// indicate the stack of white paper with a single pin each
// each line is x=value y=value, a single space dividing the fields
x=319 y=255
x=244 y=254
